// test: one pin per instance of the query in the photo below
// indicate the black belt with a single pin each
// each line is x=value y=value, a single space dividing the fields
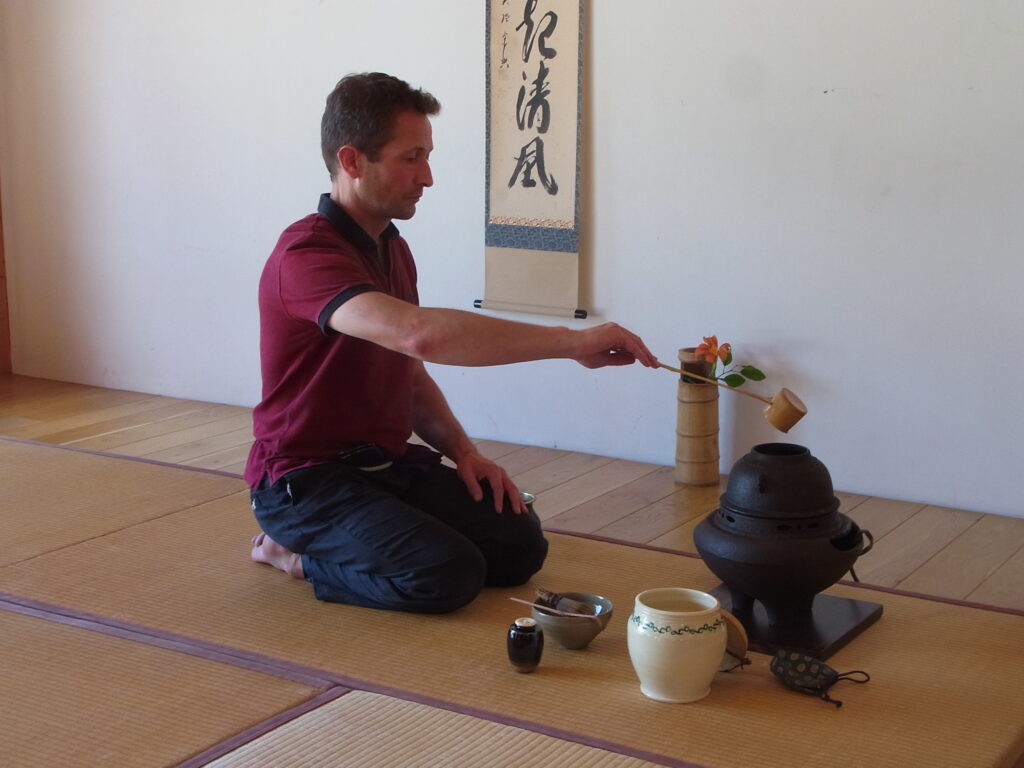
x=367 y=457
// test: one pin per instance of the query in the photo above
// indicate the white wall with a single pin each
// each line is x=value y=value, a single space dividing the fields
x=835 y=188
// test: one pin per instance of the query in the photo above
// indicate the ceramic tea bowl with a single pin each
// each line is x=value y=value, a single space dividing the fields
x=575 y=632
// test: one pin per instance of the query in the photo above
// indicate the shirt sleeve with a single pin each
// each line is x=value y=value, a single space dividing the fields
x=315 y=282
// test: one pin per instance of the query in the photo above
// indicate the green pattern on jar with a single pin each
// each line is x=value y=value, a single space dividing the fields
x=650 y=626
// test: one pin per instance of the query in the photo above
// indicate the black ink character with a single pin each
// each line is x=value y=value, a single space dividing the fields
x=544 y=30
x=532 y=156
x=504 y=51
x=538 y=102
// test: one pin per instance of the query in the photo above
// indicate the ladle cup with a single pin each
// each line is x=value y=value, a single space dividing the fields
x=783 y=411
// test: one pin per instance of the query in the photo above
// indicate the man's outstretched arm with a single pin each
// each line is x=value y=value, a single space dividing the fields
x=455 y=337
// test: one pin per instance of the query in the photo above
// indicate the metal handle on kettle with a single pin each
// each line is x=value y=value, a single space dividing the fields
x=871 y=542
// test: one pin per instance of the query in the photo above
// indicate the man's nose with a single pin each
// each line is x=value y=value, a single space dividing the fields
x=426 y=178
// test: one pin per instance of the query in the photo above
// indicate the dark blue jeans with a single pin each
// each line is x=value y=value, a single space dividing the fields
x=407 y=538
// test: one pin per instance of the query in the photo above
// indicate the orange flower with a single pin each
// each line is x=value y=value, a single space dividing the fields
x=710 y=350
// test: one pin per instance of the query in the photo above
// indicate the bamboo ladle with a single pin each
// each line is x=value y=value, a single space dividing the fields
x=783 y=411
x=551 y=609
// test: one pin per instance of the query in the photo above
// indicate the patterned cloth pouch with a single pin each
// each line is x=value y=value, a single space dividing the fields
x=809 y=675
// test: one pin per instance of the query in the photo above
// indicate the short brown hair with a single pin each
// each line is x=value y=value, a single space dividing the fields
x=361 y=112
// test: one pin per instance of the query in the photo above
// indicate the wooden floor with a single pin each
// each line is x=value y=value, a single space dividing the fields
x=950 y=553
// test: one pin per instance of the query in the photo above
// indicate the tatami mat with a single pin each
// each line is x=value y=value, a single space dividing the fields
x=54 y=497
x=72 y=697
x=367 y=730
x=945 y=690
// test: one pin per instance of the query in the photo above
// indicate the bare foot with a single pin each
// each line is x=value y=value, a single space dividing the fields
x=266 y=550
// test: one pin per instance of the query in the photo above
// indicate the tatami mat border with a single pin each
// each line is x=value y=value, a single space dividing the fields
x=168 y=640
x=261 y=729
x=334 y=683
x=594 y=537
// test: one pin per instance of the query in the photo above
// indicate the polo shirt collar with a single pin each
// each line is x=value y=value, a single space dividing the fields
x=348 y=227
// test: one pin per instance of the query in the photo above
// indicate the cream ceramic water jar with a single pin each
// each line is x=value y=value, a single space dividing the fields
x=676 y=639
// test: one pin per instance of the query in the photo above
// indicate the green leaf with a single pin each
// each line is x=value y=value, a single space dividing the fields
x=752 y=373
x=734 y=380
x=728 y=359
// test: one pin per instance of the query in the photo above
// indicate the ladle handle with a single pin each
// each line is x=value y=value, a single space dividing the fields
x=762 y=398
x=551 y=609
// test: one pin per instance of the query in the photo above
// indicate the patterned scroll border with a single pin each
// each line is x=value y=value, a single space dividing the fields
x=543 y=223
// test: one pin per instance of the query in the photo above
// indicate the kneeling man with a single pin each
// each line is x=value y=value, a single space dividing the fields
x=344 y=500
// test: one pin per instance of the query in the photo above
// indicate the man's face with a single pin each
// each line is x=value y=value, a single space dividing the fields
x=390 y=186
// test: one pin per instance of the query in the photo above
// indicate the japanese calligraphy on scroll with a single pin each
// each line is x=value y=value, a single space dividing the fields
x=534 y=97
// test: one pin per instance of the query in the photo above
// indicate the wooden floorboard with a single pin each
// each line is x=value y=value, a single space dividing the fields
x=561 y=470
x=106 y=421
x=911 y=545
x=204 y=447
x=492 y=449
x=529 y=457
x=963 y=566
x=667 y=522
x=1005 y=586
x=229 y=457
x=954 y=553
x=590 y=485
x=149 y=436
x=17 y=390
x=882 y=516
x=614 y=505
x=74 y=401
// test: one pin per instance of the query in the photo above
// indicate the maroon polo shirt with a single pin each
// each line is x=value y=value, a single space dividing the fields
x=325 y=392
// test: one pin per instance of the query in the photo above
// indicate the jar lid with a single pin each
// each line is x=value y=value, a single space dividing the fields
x=526 y=622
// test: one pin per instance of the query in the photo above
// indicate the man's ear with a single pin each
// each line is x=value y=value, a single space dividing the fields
x=350 y=161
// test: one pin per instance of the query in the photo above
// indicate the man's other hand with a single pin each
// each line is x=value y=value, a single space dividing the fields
x=474 y=467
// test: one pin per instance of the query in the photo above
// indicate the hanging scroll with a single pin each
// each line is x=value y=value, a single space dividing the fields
x=534 y=103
